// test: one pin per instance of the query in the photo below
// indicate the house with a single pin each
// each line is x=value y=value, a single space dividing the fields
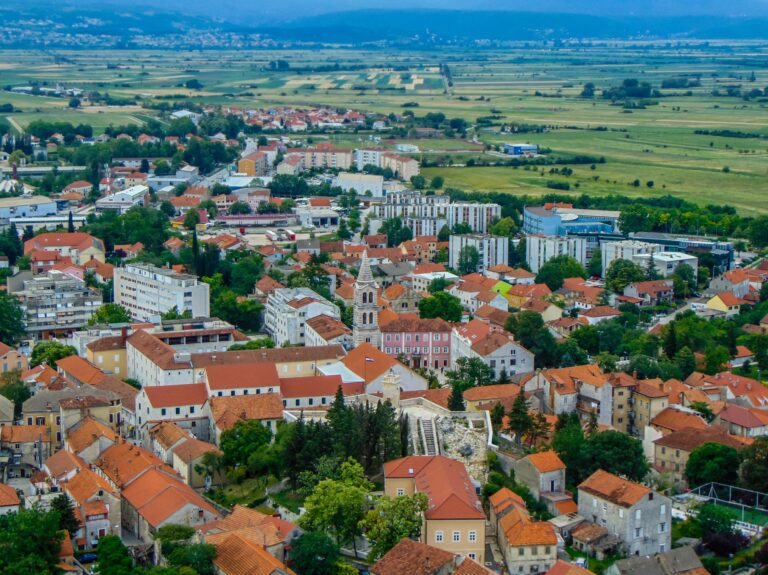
x=640 y=517
x=650 y=398
x=11 y=359
x=563 y=568
x=671 y=452
x=123 y=463
x=415 y=558
x=228 y=410
x=287 y=311
x=164 y=437
x=188 y=462
x=108 y=354
x=254 y=164
x=89 y=438
x=675 y=418
x=478 y=396
x=528 y=546
x=680 y=561
x=367 y=364
x=496 y=348
x=401 y=298
x=597 y=314
x=420 y=342
x=315 y=392
x=9 y=499
x=96 y=503
x=327 y=330
x=544 y=474
x=80 y=247
x=183 y=404
x=157 y=498
x=454 y=520
x=241 y=379
x=651 y=293
x=743 y=421
x=726 y=302
x=240 y=554
x=735 y=281
x=546 y=309
x=743 y=355
x=26 y=447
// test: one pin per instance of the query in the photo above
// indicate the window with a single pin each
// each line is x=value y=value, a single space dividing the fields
x=456 y=536
x=162 y=411
x=547 y=550
x=192 y=409
x=638 y=514
x=178 y=411
x=438 y=536
x=472 y=556
x=638 y=532
x=400 y=491
x=662 y=527
x=520 y=551
x=663 y=510
x=621 y=514
x=534 y=550
x=472 y=536
x=662 y=547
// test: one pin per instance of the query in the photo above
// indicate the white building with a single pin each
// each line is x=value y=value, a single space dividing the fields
x=540 y=249
x=287 y=311
x=185 y=405
x=147 y=291
x=26 y=206
x=420 y=282
x=478 y=216
x=121 y=202
x=368 y=157
x=624 y=250
x=363 y=184
x=493 y=250
x=666 y=263
x=494 y=347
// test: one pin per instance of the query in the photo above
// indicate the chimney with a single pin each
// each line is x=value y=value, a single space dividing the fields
x=123 y=334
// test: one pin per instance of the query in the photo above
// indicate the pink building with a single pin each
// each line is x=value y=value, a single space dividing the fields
x=423 y=342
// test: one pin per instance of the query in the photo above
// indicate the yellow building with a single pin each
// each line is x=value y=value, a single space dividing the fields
x=725 y=302
x=454 y=520
x=649 y=399
x=254 y=164
x=108 y=354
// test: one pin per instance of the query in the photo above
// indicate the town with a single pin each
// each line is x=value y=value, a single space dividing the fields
x=237 y=343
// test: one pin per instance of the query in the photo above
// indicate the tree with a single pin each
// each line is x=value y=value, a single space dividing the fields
x=31 y=541
x=504 y=227
x=621 y=273
x=555 y=270
x=437 y=182
x=198 y=556
x=49 y=352
x=704 y=410
x=715 y=519
x=754 y=467
x=243 y=440
x=11 y=319
x=392 y=520
x=71 y=222
x=191 y=219
x=343 y=232
x=110 y=313
x=438 y=285
x=239 y=208
x=469 y=260
x=712 y=462
x=12 y=387
x=685 y=361
x=470 y=372
x=617 y=453
x=113 y=557
x=62 y=505
x=456 y=399
x=529 y=330
x=670 y=341
x=74 y=103
x=443 y=305
x=595 y=265
x=520 y=421
x=418 y=182
x=716 y=358
x=444 y=234
x=314 y=553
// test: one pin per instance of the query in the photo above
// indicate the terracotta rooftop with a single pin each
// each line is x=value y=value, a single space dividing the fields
x=63 y=462
x=563 y=568
x=675 y=420
x=86 y=484
x=8 y=496
x=228 y=410
x=546 y=461
x=193 y=448
x=236 y=555
x=167 y=434
x=690 y=438
x=176 y=395
x=238 y=376
x=413 y=558
x=613 y=488
x=490 y=392
x=316 y=386
x=86 y=432
x=24 y=433
x=406 y=324
x=274 y=355
x=108 y=343
x=123 y=462
x=328 y=327
x=368 y=362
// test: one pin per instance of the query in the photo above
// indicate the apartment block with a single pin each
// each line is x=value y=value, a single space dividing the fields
x=147 y=291
x=288 y=310
x=540 y=249
x=493 y=250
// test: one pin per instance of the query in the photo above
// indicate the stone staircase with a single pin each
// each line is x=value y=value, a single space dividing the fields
x=428 y=437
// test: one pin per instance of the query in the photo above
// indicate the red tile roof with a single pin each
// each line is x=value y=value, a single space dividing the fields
x=613 y=488
x=238 y=376
x=176 y=395
x=546 y=461
x=413 y=558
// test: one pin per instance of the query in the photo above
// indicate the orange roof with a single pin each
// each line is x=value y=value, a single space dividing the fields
x=105 y=270
x=252 y=375
x=675 y=419
x=86 y=432
x=524 y=534
x=600 y=311
x=414 y=558
x=546 y=461
x=489 y=392
x=228 y=410
x=613 y=488
x=86 y=484
x=192 y=449
x=562 y=568
x=176 y=395
x=368 y=362
x=76 y=240
x=446 y=483
x=62 y=462
x=236 y=555
x=168 y=434
x=24 y=433
x=123 y=462
x=8 y=496
x=79 y=369
x=438 y=396
x=469 y=567
x=328 y=327
x=503 y=498
x=567 y=506
x=690 y=438
x=157 y=495
x=186 y=201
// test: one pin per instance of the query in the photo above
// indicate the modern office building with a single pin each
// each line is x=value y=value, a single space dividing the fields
x=716 y=255
x=147 y=291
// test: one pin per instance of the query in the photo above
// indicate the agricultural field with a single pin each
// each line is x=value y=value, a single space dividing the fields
x=648 y=150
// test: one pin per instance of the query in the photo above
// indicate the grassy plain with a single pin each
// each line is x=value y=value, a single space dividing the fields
x=524 y=85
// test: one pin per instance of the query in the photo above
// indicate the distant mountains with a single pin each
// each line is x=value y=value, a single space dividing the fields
x=554 y=19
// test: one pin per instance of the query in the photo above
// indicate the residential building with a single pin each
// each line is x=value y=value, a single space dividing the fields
x=121 y=202
x=477 y=216
x=680 y=561
x=108 y=354
x=80 y=247
x=24 y=447
x=321 y=156
x=540 y=249
x=254 y=164
x=671 y=451
x=583 y=389
x=454 y=520
x=188 y=460
x=666 y=263
x=544 y=474
x=317 y=391
x=421 y=342
x=147 y=292
x=735 y=281
x=54 y=303
x=402 y=167
x=185 y=405
x=494 y=347
x=369 y=365
x=649 y=399
x=640 y=517
x=652 y=292
x=410 y=556
x=528 y=547
x=726 y=303
x=88 y=438
x=241 y=379
x=226 y=411
x=11 y=359
x=9 y=499
x=493 y=250
x=96 y=503
x=288 y=310
x=364 y=184
x=624 y=250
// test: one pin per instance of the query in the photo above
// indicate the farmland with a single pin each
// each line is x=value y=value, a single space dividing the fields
x=651 y=149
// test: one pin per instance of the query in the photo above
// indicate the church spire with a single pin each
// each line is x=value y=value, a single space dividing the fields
x=365 y=275
x=365 y=317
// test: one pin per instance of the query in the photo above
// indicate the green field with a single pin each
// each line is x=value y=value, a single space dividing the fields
x=524 y=85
